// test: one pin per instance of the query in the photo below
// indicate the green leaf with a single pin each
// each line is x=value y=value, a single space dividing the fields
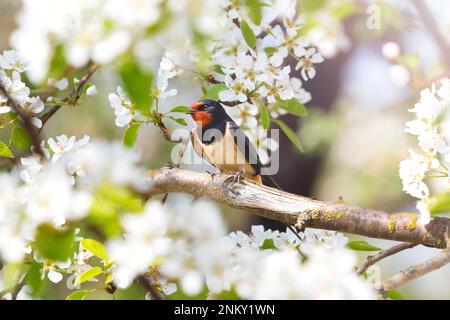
x=180 y=109
x=312 y=5
x=96 y=248
x=248 y=34
x=343 y=10
x=296 y=108
x=178 y=120
x=395 y=295
x=78 y=295
x=270 y=50
x=109 y=278
x=254 y=11
x=55 y=244
x=362 y=246
x=58 y=63
x=439 y=203
x=290 y=134
x=5 y=151
x=137 y=83
x=213 y=92
x=219 y=70
x=129 y=139
x=87 y=275
x=20 y=138
x=34 y=279
x=265 y=117
x=268 y=244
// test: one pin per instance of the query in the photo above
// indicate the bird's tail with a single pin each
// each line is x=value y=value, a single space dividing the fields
x=268 y=180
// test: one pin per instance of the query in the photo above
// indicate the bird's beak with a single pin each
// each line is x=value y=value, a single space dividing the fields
x=190 y=112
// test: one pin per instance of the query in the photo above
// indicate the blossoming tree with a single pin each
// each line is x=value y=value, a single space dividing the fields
x=84 y=212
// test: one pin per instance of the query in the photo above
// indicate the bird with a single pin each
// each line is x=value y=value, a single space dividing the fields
x=220 y=141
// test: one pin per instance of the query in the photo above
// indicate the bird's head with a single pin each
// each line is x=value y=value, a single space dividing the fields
x=206 y=112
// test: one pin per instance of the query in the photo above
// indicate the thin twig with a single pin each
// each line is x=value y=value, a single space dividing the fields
x=432 y=27
x=371 y=260
x=18 y=287
x=73 y=97
x=414 y=272
x=25 y=120
x=145 y=282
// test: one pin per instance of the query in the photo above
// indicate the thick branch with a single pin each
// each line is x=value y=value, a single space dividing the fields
x=301 y=211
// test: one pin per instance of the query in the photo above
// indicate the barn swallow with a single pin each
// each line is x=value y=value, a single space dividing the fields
x=221 y=142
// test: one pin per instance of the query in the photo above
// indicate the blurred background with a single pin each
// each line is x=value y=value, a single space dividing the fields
x=377 y=59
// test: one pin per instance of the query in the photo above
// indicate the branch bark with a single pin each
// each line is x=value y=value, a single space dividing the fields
x=73 y=97
x=414 y=272
x=371 y=260
x=301 y=211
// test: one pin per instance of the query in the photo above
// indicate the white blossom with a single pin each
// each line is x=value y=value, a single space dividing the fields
x=244 y=115
x=123 y=108
x=144 y=241
x=12 y=60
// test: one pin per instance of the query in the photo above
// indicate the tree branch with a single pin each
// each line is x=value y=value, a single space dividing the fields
x=414 y=272
x=371 y=260
x=73 y=97
x=147 y=284
x=433 y=29
x=301 y=211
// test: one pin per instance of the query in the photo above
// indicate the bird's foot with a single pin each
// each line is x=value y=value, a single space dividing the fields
x=213 y=174
x=170 y=164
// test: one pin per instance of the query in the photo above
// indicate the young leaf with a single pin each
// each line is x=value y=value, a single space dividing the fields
x=248 y=34
x=362 y=246
x=219 y=70
x=254 y=11
x=96 y=248
x=180 y=109
x=20 y=138
x=265 y=117
x=137 y=83
x=179 y=121
x=213 y=92
x=296 y=108
x=270 y=50
x=290 y=134
x=78 y=295
x=87 y=275
x=55 y=244
x=439 y=203
x=129 y=139
x=5 y=151
x=395 y=295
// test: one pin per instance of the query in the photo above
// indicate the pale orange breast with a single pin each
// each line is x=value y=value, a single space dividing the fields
x=224 y=154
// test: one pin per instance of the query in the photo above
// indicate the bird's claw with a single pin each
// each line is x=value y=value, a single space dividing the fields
x=213 y=174
x=170 y=164
x=237 y=178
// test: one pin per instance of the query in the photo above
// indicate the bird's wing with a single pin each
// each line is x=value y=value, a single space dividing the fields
x=245 y=146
